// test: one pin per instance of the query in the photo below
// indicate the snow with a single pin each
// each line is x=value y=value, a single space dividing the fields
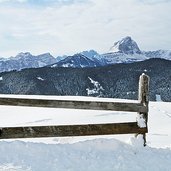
x=141 y=121
x=40 y=78
x=97 y=88
x=41 y=64
x=97 y=153
x=82 y=66
x=158 y=98
x=115 y=48
x=117 y=57
x=67 y=65
x=54 y=65
x=10 y=167
x=130 y=92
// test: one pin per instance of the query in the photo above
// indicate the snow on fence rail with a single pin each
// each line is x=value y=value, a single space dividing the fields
x=139 y=127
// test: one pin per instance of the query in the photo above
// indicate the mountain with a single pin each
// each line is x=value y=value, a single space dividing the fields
x=124 y=51
x=118 y=57
x=96 y=57
x=165 y=54
x=77 y=61
x=115 y=81
x=59 y=58
x=127 y=51
x=90 y=54
x=25 y=60
x=126 y=46
x=81 y=60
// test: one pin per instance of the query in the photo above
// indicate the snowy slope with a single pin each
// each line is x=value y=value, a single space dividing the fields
x=101 y=153
x=119 y=57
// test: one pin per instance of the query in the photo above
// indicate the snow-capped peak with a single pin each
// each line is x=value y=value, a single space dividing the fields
x=24 y=54
x=21 y=55
x=126 y=46
x=90 y=54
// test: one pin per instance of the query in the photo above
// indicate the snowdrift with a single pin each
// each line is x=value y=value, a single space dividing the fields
x=96 y=155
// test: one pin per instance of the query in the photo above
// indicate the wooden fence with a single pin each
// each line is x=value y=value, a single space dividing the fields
x=139 y=127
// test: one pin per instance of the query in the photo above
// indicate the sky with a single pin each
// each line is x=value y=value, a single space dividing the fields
x=65 y=27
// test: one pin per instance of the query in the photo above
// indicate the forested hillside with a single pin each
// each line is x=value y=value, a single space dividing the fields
x=118 y=80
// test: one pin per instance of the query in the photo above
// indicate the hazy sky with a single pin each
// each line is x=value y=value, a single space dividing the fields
x=70 y=26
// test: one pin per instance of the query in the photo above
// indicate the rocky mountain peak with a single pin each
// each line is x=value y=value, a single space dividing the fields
x=23 y=54
x=127 y=46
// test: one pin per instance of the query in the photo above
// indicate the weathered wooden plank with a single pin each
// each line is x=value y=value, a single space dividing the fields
x=143 y=94
x=92 y=105
x=70 y=130
x=143 y=97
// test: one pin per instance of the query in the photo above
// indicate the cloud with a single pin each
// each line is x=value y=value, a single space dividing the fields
x=12 y=1
x=40 y=3
x=152 y=2
x=79 y=25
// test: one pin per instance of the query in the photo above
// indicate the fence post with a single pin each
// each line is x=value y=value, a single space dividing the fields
x=143 y=97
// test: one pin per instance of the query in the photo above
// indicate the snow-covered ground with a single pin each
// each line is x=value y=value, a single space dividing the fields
x=101 y=153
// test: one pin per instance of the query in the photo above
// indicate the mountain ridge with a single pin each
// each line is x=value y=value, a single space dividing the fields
x=125 y=50
x=26 y=60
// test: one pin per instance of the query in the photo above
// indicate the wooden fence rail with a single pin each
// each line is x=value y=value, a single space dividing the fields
x=83 y=130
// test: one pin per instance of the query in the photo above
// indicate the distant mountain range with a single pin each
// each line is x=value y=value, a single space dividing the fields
x=123 y=51
x=116 y=81
x=25 y=60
